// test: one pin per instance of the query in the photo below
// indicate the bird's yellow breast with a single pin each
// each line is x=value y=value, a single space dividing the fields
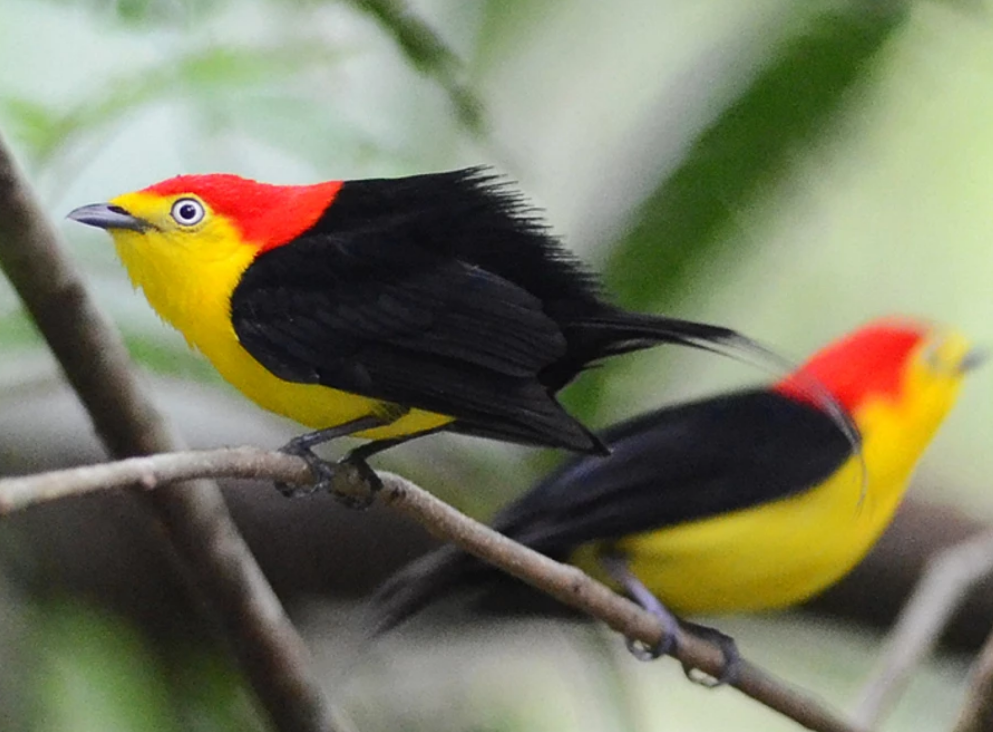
x=781 y=553
x=189 y=281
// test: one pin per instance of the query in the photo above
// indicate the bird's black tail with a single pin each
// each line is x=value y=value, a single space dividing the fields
x=419 y=584
x=617 y=331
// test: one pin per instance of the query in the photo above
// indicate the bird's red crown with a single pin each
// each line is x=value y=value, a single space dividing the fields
x=266 y=215
x=867 y=363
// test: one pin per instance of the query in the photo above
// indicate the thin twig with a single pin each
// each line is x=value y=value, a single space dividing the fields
x=977 y=710
x=194 y=515
x=946 y=582
x=566 y=583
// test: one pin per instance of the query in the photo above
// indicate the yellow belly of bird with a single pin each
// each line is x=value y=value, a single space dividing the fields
x=767 y=557
x=312 y=405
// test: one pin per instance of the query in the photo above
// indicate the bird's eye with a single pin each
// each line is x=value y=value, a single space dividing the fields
x=187 y=211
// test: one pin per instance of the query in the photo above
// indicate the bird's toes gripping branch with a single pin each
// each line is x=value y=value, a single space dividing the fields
x=350 y=480
x=322 y=470
x=616 y=566
x=731 y=667
x=667 y=645
x=355 y=484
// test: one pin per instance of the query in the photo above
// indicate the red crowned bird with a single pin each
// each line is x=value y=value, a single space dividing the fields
x=748 y=501
x=386 y=309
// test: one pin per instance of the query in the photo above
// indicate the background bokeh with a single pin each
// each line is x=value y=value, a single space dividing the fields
x=787 y=168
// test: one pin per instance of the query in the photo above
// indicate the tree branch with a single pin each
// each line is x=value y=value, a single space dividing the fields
x=566 y=583
x=977 y=711
x=194 y=516
x=946 y=582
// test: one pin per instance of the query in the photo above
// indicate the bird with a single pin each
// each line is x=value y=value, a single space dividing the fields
x=746 y=501
x=386 y=309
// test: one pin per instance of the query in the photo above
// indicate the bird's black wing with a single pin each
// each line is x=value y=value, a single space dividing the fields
x=371 y=312
x=681 y=464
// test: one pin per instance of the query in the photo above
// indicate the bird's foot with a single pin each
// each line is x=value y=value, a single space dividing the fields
x=667 y=645
x=350 y=480
x=730 y=671
x=355 y=484
x=323 y=471
x=326 y=473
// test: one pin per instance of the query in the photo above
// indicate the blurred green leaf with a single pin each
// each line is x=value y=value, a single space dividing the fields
x=150 y=12
x=164 y=358
x=33 y=124
x=18 y=332
x=214 y=694
x=681 y=225
x=503 y=23
x=429 y=53
x=169 y=358
x=199 y=74
x=96 y=673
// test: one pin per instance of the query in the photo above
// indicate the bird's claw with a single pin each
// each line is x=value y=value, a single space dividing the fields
x=355 y=484
x=668 y=643
x=731 y=669
x=322 y=470
x=351 y=481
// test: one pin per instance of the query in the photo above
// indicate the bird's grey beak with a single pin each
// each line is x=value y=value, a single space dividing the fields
x=106 y=216
x=975 y=357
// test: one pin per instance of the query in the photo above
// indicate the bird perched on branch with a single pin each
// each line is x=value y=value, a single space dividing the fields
x=386 y=309
x=748 y=501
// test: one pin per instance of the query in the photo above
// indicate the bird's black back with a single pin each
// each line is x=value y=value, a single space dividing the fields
x=472 y=215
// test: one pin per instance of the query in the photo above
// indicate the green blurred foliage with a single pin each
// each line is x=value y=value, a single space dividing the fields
x=788 y=168
x=801 y=91
x=98 y=673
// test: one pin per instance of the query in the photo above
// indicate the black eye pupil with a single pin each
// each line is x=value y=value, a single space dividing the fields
x=187 y=211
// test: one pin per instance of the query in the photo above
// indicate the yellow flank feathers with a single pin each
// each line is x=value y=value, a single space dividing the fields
x=784 y=552
x=189 y=282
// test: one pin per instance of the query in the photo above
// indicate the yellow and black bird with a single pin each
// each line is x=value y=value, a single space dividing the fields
x=748 y=501
x=386 y=309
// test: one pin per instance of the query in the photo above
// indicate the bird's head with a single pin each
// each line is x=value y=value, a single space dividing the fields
x=195 y=234
x=895 y=370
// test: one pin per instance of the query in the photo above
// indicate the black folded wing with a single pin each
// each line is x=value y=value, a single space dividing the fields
x=681 y=464
x=371 y=312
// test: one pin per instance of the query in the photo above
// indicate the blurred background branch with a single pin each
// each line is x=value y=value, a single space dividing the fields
x=948 y=577
x=977 y=712
x=193 y=515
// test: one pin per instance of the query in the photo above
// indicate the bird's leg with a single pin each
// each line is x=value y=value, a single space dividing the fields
x=362 y=474
x=615 y=564
x=302 y=446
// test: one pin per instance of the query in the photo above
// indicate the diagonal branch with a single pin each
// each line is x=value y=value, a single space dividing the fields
x=194 y=516
x=564 y=582
x=946 y=582
x=977 y=711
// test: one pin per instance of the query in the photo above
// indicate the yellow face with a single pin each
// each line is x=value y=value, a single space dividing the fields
x=931 y=381
x=183 y=256
x=179 y=227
